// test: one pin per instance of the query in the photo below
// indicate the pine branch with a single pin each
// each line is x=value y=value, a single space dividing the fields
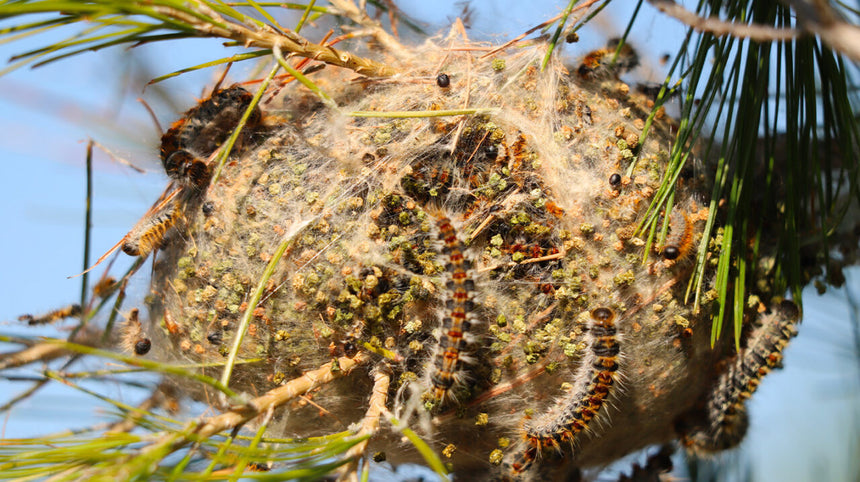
x=111 y=23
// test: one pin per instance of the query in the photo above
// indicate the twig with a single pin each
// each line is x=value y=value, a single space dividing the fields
x=719 y=28
x=24 y=395
x=370 y=423
x=818 y=17
x=131 y=420
x=350 y=10
x=43 y=352
x=278 y=396
x=266 y=37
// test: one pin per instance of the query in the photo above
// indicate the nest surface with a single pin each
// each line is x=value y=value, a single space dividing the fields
x=491 y=335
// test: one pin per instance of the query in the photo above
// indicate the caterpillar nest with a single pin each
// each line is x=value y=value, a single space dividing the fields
x=482 y=273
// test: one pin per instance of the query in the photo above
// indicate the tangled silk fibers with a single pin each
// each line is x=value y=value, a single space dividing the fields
x=488 y=262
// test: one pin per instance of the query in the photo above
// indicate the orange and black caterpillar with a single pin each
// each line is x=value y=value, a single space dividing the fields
x=148 y=235
x=455 y=323
x=200 y=131
x=726 y=413
x=596 y=377
x=600 y=62
x=679 y=240
x=65 y=312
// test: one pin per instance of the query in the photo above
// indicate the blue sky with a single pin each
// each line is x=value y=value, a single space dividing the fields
x=803 y=417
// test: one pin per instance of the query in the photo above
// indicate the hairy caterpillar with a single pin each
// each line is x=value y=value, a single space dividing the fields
x=455 y=323
x=726 y=413
x=679 y=241
x=52 y=316
x=199 y=133
x=149 y=234
x=575 y=412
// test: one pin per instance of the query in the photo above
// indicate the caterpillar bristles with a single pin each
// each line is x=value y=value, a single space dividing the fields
x=679 y=240
x=573 y=414
x=448 y=363
x=151 y=230
x=727 y=418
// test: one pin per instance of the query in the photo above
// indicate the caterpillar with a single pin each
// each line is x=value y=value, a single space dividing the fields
x=200 y=131
x=595 y=379
x=133 y=336
x=726 y=413
x=149 y=234
x=456 y=322
x=187 y=169
x=679 y=240
x=603 y=62
x=65 y=312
